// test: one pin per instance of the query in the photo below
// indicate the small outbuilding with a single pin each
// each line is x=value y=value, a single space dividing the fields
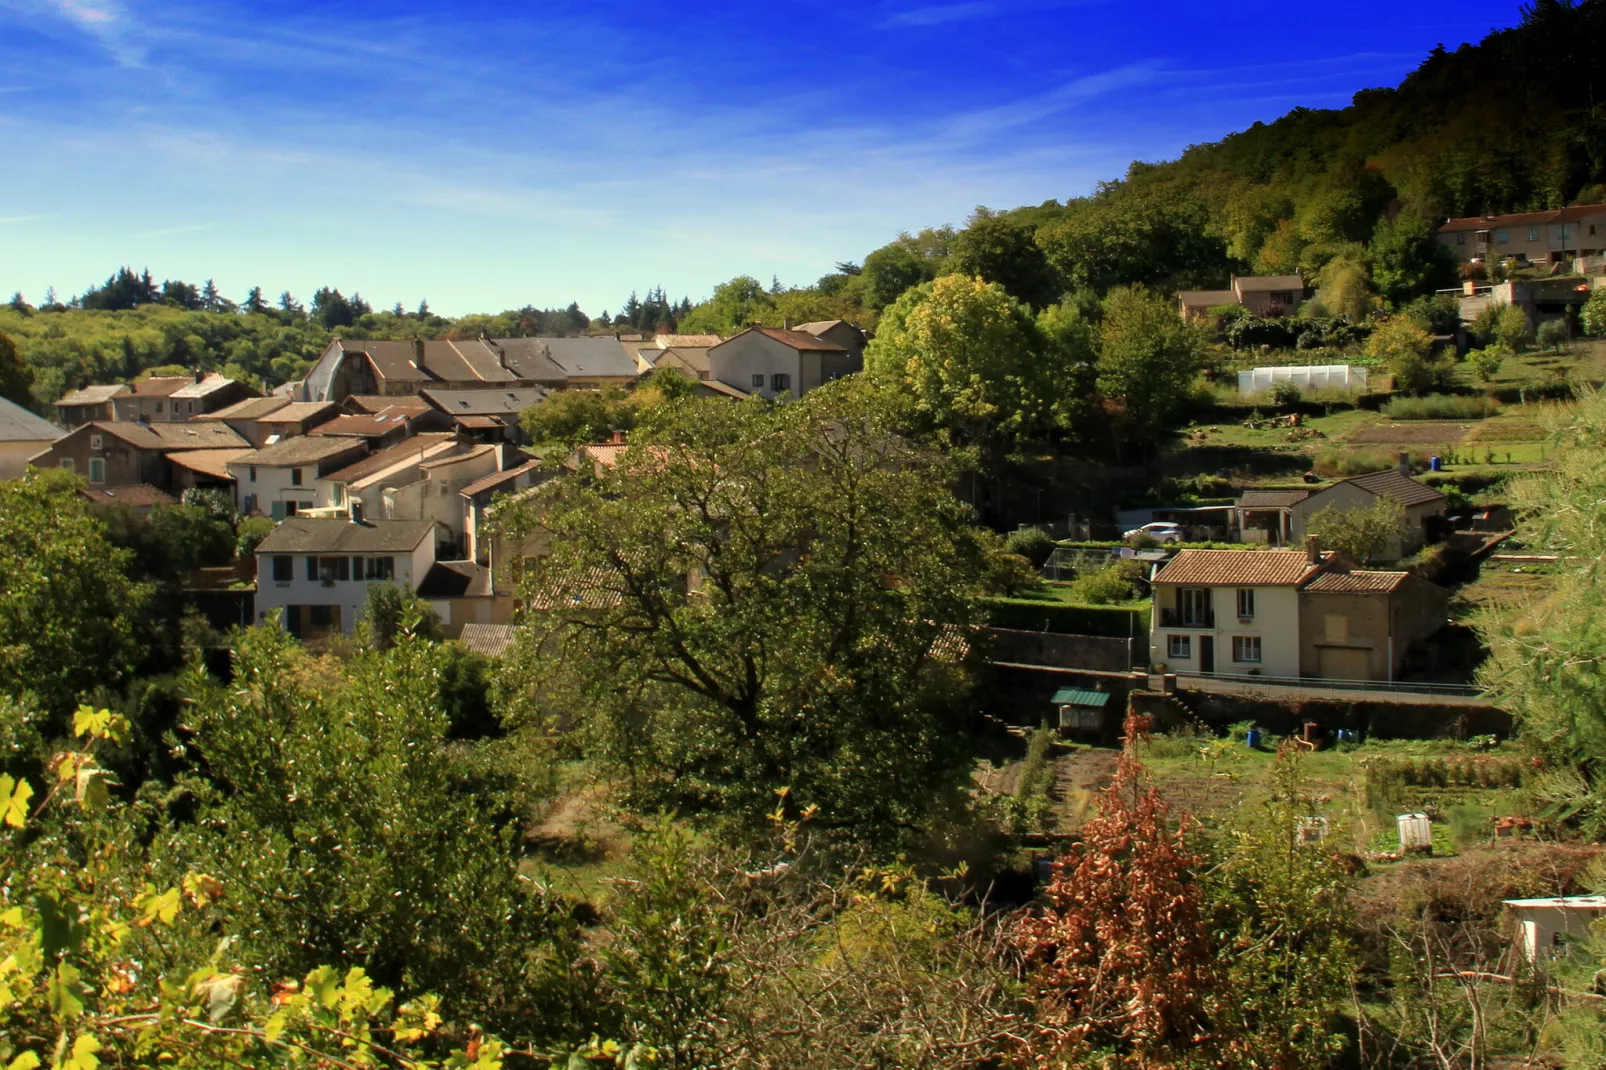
x=1081 y=710
x=1541 y=922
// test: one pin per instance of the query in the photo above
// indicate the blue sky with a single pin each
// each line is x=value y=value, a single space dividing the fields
x=485 y=156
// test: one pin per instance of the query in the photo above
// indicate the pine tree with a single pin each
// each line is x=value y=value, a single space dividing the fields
x=254 y=302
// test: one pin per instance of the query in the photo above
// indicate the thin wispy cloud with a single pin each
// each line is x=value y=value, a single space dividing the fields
x=970 y=10
x=163 y=232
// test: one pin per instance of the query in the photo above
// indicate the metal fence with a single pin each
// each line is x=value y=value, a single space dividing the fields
x=1304 y=683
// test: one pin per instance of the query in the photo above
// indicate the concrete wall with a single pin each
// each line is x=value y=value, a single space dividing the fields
x=1094 y=652
x=735 y=362
x=1380 y=720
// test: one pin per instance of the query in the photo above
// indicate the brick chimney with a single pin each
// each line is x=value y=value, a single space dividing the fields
x=1313 y=549
x=618 y=438
x=1405 y=464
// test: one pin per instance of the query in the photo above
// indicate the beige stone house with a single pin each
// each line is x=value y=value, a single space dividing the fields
x=770 y=362
x=1549 y=237
x=1264 y=295
x=1288 y=613
x=1421 y=504
x=22 y=435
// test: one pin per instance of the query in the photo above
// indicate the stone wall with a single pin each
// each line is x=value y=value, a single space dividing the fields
x=1093 y=652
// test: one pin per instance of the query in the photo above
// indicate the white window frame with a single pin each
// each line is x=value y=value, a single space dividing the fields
x=1241 y=650
x=1179 y=647
x=1246 y=603
x=94 y=464
x=758 y=380
x=96 y=442
x=68 y=464
x=1533 y=233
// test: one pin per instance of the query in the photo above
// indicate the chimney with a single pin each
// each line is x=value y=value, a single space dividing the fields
x=1405 y=464
x=1313 y=549
x=418 y=351
x=618 y=438
x=786 y=324
x=199 y=375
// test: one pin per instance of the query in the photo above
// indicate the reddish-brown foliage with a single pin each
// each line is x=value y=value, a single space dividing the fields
x=1118 y=957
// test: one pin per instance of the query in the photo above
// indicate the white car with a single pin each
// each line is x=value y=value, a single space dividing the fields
x=1159 y=531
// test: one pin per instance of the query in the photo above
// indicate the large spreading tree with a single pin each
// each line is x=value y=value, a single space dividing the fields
x=763 y=606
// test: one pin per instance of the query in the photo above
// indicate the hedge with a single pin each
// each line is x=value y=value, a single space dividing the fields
x=1022 y=614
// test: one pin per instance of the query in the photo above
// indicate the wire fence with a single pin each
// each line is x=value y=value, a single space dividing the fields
x=1312 y=684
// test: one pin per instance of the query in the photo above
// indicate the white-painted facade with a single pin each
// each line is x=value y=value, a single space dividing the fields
x=270 y=490
x=328 y=581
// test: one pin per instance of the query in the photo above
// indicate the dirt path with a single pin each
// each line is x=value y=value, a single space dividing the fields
x=1077 y=778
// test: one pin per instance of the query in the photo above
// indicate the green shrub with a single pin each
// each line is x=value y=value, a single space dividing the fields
x=1285 y=393
x=1440 y=407
x=1110 y=621
x=1511 y=328
x=1486 y=361
x=1554 y=335
x=1033 y=544
x=1120 y=581
x=1336 y=461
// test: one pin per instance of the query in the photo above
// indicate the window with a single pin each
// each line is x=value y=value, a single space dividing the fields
x=97 y=469
x=1502 y=236
x=312 y=567
x=1179 y=647
x=340 y=494
x=331 y=569
x=295 y=477
x=1246 y=649
x=758 y=380
x=283 y=568
x=356 y=568
x=319 y=616
x=1591 y=230
x=1461 y=237
x=96 y=442
x=1246 y=603
x=253 y=473
x=444 y=488
x=1561 y=232
x=68 y=465
x=1533 y=233
x=158 y=407
x=1194 y=603
x=381 y=568
x=290 y=508
x=780 y=381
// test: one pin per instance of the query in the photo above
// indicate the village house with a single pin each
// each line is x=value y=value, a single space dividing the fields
x=1423 y=506
x=22 y=435
x=478 y=496
x=841 y=332
x=771 y=362
x=1263 y=295
x=245 y=418
x=314 y=574
x=295 y=419
x=204 y=469
x=363 y=482
x=485 y=415
x=435 y=494
x=284 y=478
x=206 y=394
x=140 y=498
x=172 y=399
x=585 y=363
x=461 y=595
x=119 y=453
x=387 y=426
x=352 y=366
x=90 y=403
x=1549 y=237
x=1288 y=613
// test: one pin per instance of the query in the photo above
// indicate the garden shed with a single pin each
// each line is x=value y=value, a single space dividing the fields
x=1541 y=921
x=1081 y=710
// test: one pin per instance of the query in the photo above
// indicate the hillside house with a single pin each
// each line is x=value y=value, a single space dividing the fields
x=295 y=419
x=245 y=418
x=1549 y=237
x=1264 y=295
x=770 y=362
x=460 y=592
x=313 y=575
x=88 y=404
x=477 y=498
x=386 y=427
x=22 y=435
x=840 y=332
x=436 y=494
x=352 y=366
x=117 y=453
x=485 y=415
x=171 y=399
x=206 y=394
x=1266 y=515
x=286 y=477
x=364 y=481
x=1288 y=613
x=1423 y=506
x=204 y=469
x=586 y=363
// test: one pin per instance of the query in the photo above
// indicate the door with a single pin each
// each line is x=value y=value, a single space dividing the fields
x=1207 y=653
x=1344 y=663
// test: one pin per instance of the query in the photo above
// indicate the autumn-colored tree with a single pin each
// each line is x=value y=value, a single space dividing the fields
x=1117 y=960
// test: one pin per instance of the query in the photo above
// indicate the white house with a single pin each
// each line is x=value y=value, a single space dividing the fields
x=771 y=362
x=313 y=575
x=365 y=480
x=435 y=495
x=1541 y=922
x=286 y=478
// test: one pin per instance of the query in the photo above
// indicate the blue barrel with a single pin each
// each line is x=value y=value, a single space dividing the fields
x=1436 y=464
x=1252 y=737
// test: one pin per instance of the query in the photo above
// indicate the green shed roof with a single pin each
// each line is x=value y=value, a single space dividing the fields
x=1073 y=696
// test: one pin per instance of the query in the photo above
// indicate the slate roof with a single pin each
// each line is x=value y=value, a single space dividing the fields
x=1239 y=568
x=416 y=449
x=372 y=403
x=366 y=424
x=1391 y=484
x=1272 y=498
x=392 y=360
x=465 y=360
x=299 y=412
x=249 y=409
x=208 y=462
x=456 y=579
x=529 y=360
x=1208 y=298
x=210 y=385
x=491 y=640
x=693 y=357
x=1355 y=582
x=486 y=402
x=138 y=495
x=174 y=436
x=96 y=394
x=590 y=357
x=305 y=534
x=17 y=424
x=497 y=480
x=293 y=452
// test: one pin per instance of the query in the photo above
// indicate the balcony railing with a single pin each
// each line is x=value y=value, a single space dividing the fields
x=1176 y=618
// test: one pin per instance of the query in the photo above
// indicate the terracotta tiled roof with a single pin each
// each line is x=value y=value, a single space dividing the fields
x=178 y=436
x=1390 y=484
x=139 y=495
x=499 y=479
x=210 y=384
x=415 y=449
x=97 y=394
x=1271 y=498
x=1263 y=283
x=799 y=340
x=1239 y=568
x=491 y=640
x=161 y=386
x=408 y=403
x=1355 y=582
x=212 y=463
x=295 y=452
x=299 y=411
